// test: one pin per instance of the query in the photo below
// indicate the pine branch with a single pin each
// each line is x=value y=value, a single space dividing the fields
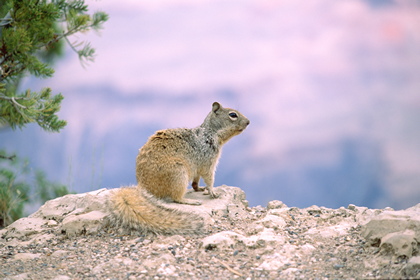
x=6 y=20
x=30 y=31
x=33 y=107
x=8 y=157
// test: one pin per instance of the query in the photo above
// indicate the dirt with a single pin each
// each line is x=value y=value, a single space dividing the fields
x=274 y=242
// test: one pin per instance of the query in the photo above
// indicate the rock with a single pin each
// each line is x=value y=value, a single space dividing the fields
x=26 y=256
x=412 y=269
x=415 y=208
x=280 y=212
x=52 y=223
x=230 y=203
x=307 y=248
x=42 y=237
x=61 y=277
x=363 y=214
x=81 y=211
x=276 y=204
x=236 y=211
x=396 y=232
x=164 y=259
x=267 y=237
x=274 y=262
x=167 y=270
x=168 y=242
x=97 y=270
x=73 y=204
x=283 y=257
x=22 y=276
x=337 y=266
x=80 y=214
x=289 y=272
x=272 y=221
x=88 y=223
x=352 y=207
x=124 y=261
x=228 y=239
x=60 y=253
x=221 y=240
x=330 y=231
x=392 y=221
x=258 y=243
x=400 y=244
x=24 y=227
x=314 y=210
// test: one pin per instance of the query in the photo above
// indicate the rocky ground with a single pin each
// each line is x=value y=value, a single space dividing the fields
x=67 y=239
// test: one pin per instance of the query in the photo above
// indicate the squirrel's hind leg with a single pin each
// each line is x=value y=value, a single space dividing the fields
x=180 y=187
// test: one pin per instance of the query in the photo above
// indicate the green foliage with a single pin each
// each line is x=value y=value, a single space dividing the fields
x=31 y=36
x=12 y=198
x=15 y=189
x=33 y=107
x=13 y=192
x=47 y=190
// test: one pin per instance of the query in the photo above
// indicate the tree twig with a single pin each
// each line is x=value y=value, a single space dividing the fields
x=230 y=269
x=9 y=158
x=14 y=98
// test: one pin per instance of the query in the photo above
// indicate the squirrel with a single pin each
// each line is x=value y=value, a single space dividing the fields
x=165 y=165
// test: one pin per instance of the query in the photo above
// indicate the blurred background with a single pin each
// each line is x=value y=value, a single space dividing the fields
x=331 y=89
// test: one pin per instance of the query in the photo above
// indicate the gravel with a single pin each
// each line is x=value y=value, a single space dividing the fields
x=310 y=244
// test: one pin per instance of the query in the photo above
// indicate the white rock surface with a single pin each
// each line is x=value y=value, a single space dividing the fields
x=395 y=232
x=68 y=238
x=26 y=256
x=80 y=214
x=221 y=240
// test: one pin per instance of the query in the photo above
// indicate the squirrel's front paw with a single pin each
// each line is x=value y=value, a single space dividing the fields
x=214 y=195
x=211 y=193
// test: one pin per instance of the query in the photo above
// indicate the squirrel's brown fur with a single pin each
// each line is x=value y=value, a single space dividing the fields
x=165 y=165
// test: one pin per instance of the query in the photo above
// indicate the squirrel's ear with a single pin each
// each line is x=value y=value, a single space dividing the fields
x=216 y=106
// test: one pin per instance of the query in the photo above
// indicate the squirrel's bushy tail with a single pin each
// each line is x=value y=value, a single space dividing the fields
x=135 y=209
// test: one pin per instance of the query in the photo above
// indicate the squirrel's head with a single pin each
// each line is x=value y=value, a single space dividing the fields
x=226 y=121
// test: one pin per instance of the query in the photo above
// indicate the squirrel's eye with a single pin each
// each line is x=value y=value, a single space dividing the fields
x=233 y=115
